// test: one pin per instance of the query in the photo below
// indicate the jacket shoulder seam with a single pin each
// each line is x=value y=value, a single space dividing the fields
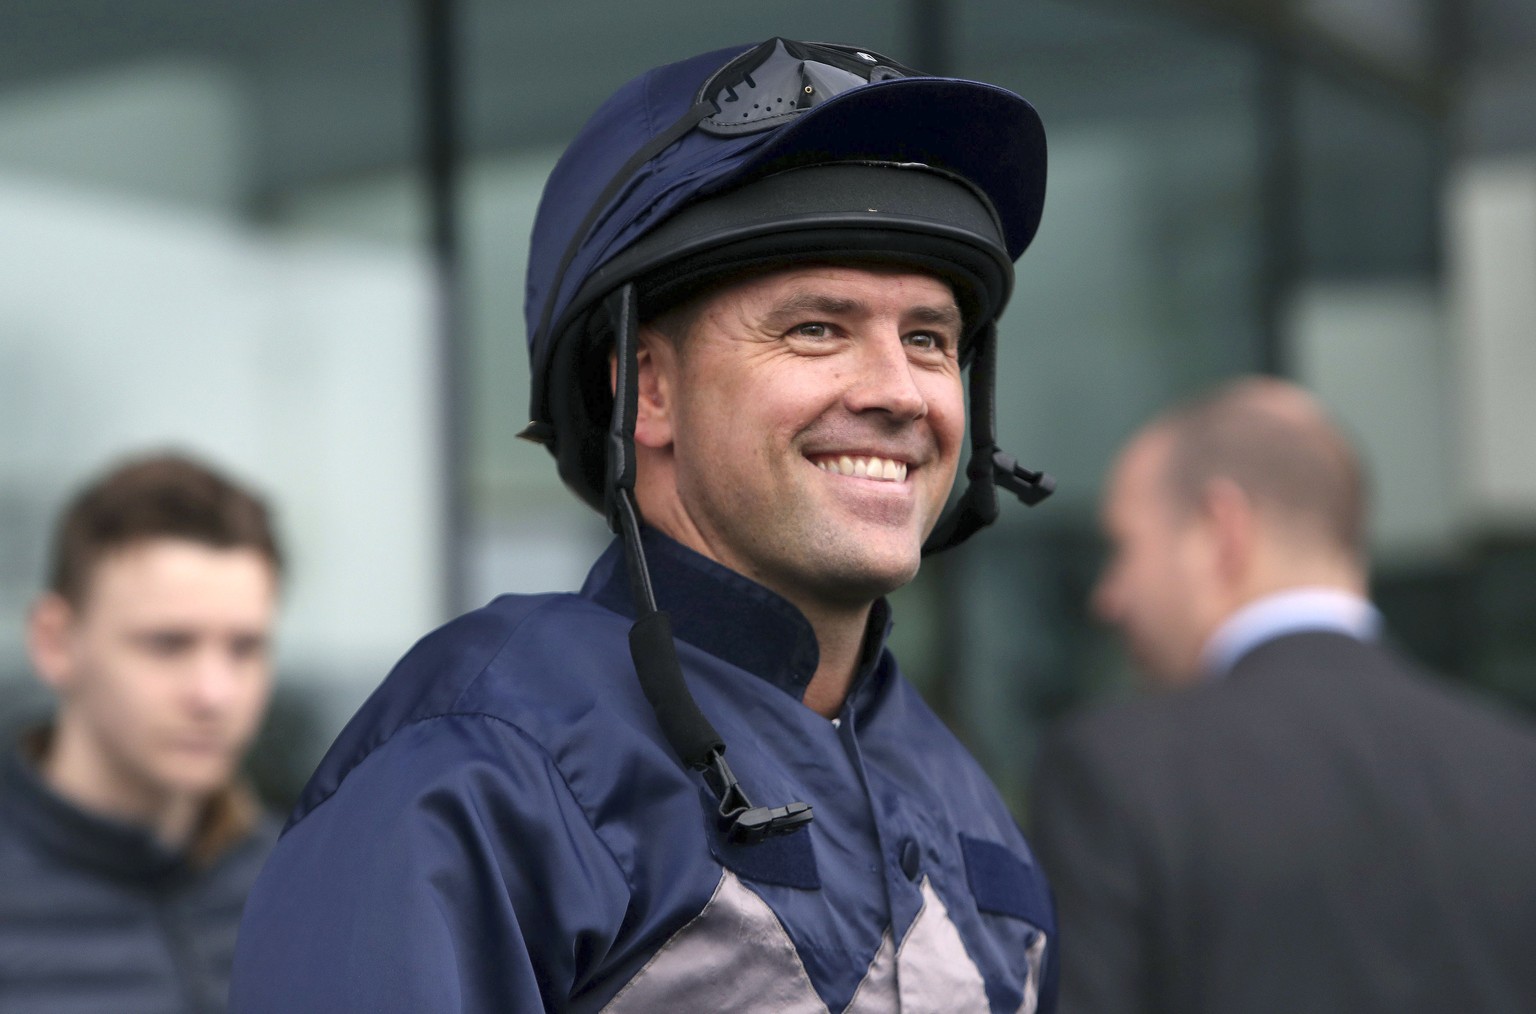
x=385 y=739
x=554 y=766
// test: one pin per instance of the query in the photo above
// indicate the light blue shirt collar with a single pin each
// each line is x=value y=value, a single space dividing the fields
x=1288 y=612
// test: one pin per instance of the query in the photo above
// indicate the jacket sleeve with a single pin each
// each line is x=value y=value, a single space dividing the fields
x=1086 y=840
x=451 y=870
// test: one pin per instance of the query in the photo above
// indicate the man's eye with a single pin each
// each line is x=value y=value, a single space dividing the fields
x=814 y=329
x=166 y=645
x=926 y=340
x=248 y=647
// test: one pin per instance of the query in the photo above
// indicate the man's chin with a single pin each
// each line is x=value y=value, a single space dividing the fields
x=197 y=779
x=864 y=581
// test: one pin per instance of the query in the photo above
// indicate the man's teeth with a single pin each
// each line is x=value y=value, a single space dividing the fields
x=886 y=469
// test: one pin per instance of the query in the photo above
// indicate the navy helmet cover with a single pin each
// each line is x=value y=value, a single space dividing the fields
x=981 y=132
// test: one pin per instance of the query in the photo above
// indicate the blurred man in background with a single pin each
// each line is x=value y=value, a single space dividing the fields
x=1302 y=822
x=127 y=845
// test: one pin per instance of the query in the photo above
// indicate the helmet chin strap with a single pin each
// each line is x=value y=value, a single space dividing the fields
x=988 y=466
x=651 y=644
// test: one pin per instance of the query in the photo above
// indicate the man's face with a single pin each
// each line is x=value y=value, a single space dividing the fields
x=1157 y=585
x=163 y=668
x=816 y=418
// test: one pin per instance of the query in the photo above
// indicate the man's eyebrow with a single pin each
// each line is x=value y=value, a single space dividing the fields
x=946 y=316
x=813 y=303
x=799 y=303
x=160 y=635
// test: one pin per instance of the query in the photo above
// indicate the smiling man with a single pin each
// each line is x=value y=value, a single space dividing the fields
x=126 y=843
x=804 y=432
x=758 y=279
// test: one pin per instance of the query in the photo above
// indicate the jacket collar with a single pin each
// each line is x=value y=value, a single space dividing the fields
x=729 y=616
x=1289 y=612
x=108 y=846
x=81 y=838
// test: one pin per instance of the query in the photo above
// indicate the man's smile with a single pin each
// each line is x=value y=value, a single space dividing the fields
x=863 y=466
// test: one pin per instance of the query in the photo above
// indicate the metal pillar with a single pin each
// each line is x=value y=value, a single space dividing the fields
x=440 y=163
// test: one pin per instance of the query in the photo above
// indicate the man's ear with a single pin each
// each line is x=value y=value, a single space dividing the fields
x=656 y=376
x=50 y=642
x=1234 y=531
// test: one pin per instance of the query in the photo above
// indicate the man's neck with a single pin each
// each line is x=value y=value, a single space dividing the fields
x=840 y=637
x=1281 y=565
x=76 y=768
x=840 y=628
x=1337 y=608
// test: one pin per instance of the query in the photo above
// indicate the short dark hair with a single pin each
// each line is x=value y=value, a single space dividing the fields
x=675 y=323
x=158 y=496
x=1277 y=445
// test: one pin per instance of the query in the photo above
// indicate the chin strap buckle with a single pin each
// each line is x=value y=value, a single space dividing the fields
x=1030 y=487
x=742 y=822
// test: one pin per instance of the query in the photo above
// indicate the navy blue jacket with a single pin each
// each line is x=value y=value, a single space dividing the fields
x=503 y=828
x=96 y=915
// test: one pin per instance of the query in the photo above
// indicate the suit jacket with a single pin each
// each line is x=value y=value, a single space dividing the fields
x=1321 y=830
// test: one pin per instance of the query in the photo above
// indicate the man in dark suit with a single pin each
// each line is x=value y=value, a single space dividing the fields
x=1301 y=821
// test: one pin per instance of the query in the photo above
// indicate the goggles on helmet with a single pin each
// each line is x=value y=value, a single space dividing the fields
x=766 y=86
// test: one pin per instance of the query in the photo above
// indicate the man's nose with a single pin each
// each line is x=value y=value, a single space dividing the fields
x=887 y=381
x=214 y=680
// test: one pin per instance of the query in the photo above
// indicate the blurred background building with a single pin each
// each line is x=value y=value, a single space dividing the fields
x=218 y=234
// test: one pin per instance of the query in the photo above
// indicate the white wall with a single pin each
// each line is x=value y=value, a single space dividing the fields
x=1378 y=355
x=139 y=311
x=528 y=533
x=304 y=367
x=174 y=132
x=1491 y=237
